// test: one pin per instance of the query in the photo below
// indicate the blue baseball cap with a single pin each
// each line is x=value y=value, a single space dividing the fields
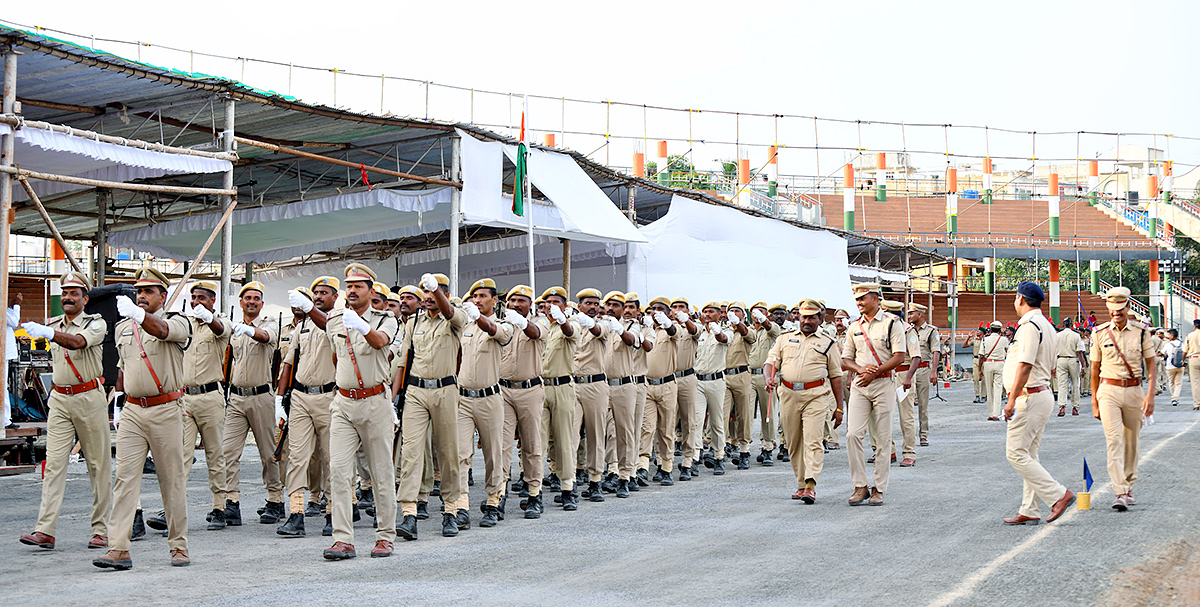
x=1030 y=290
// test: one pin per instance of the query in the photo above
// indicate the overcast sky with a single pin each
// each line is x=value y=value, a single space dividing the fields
x=1026 y=65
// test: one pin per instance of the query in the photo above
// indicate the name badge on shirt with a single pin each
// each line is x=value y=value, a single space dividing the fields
x=467 y=334
x=795 y=341
x=421 y=332
x=129 y=332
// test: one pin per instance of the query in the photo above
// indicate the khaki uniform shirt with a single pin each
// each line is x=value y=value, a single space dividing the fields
x=1191 y=345
x=763 y=340
x=1135 y=344
x=927 y=338
x=165 y=355
x=252 y=359
x=88 y=361
x=803 y=358
x=312 y=344
x=204 y=359
x=997 y=344
x=738 y=354
x=435 y=343
x=558 y=359
x=662 y=360
x=399 y=354
x=1068 y=344
x=591 y=356
x=639 y=355
x=711 y=353
x=481 y=354
x=913 y=345
x=1035 y=343
x=620 y=356
x=372 y=364
x=685 y=347
x=885 y=334
x=521 y=359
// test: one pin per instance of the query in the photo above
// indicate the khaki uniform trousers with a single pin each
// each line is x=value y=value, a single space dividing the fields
x=663 y=401
x=593 y=403
x=768 y=411
x=977 y=379
x=646 y=437
x=247 y=414
x=158 y=430
x=204 y=416
x=874 y=402
x=639 y=416
x=921 y=389
x=560 y=432
x=625 y=426
x=365 y=422
x=712 y=395
x=1121 y=414
x=993 y=381
x=1193 y=367
x=908 y=424
x=84 y=415
x=362 y=469
x=1175 y=381
x=802 y=415
x=689 y=414
x=523 y=410
x=427 y=469
x=1160 y=372
x=1067 y=370
x=429 y=411
x=1021 y=447
x=739 y=403
x=308 y=442
x=487 y=416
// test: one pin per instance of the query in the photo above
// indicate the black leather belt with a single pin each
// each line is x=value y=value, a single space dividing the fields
x=255 y=391
x=639 y=379
x=588 y=379
x=737 y=370
x=757 y=371
x=711 y=376
x=488 y=391
x=211 y=386
x=684 y=373
x=326 y=389
x=660 y=381
x=620 y=381
x=432 y=384
x=521 y=385
x=557 y=381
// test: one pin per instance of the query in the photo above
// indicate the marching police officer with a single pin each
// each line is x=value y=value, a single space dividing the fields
x=521 y=383
x=204 y=402
x=559 y=429
x=991 y=362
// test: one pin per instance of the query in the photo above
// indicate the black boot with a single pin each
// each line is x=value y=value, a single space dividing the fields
x=216 y=520
x=766 y=458
x=554 y=484
x=678 y=451
x=313 y=509
x=148 y=467
x=407 y=528
x=437 y=489
x=570 y=501
x=642 y=478
x=610 y=484
x=783 y=455
x=666 y=479
x=501 y=506
x=658 y=474
x=157 y=521
x=294 y=527
x=490 y=517
x=139 y=527
x=366 y=498
x=463 y=520
x=593 y=492
x=470 y=477
x=685 y=474
x=623 y=488
x=233 y=513
x=422 y=511
x=533 y=506
x=328 y=530
x=449 y=527
x=632 y=484
x=524 y=491
x=718 y=467
x=743 y=460
x=273 y=513
x=357 y=516
x=581 y=476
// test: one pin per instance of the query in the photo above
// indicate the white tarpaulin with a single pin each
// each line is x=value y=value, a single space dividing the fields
x=706 y=252
x=46 y=151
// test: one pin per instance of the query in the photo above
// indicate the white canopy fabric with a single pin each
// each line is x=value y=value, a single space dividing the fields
x=706 y=252
x=299 y=228
x=46 y=151
x=577 y=209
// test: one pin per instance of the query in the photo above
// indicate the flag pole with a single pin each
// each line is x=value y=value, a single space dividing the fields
x=529 y=198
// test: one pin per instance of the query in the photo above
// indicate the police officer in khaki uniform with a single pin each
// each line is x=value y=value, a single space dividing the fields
x=524 y=396
x=431 y=405
x=150 y=344
x=687 y=391
x=309 y=367
x=480 y=405
x=1119 y=348
x=1069 y=361
x=712 y=346
x=810 y=370
x=991 y=363
x=739 y=394
x=78 y=408
x=765 y=333
x=931 y=359
x=591 y=386
x=974 y=341
x=203 y=399
x=662 y=392
x=1027 y=379
x=409 y=306
x=875 y=346
x=1191 y=357
x=251 y=405
x=645 y=324
x=625 y=341
x=559 y=431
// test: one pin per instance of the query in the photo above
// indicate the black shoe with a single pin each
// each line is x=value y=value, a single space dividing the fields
x=148 y=467
x=139 y=527
x=610 y=484
x=370 y=510
x=658 y=474
x=594 y=493
x=642 y=478
x=366 y=498
x=666 y=479
x=718 y=467
x=533 y=506
x=313 y=509
x=294 y=527
x=783 y=455
x=696 y=467
x=685 y=474
x=449 y=527
x=216 y=520
x=233 y=513
x=437 y=489
x=463 y=520
x=759 y=457
x=470 y=477
x=678 y=451
x=766 y=459
x=570 y=502
x=157 y=521
x=516 y=485
x=623 y=488
x=407 y=528
x=261 y=509
x=501 y=506
x=744 y=461
x=524 y=491
x=328 y=530
x=357 y=513
x=581 y=476
x=553 y=483
x=825 y=445
x=422 y=511
x=273 y=513
x=632 y=485
x=710 y=461
x=490 y=517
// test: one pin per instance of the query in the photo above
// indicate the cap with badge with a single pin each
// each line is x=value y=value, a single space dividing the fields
x=891 y=305
x=357 y=272
x=381 y=289
x=997 y=324
x=150 y=277
x=522 y=290
x=207 y=285
x=559 y=291
x=632 y=297
x=1117 y=298
x=411 y=290
x=863 y=288
x=916 y=307
x=614 y=295
x=759 y=304
x=841 y=314
x=716 y=305
x=682 y=300
x=810 y=307
x=1030 y=290
x=326 y=281
x=482 y=283
x=778 y=306
x=442 y=280
x=737 y=304
x=586 y=293
x=75 y=280
x=663 y=300
x=253 y=285
x=305 y=291
x=393 y=297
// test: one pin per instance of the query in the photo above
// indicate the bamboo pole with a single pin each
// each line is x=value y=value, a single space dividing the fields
x=204 y=249
x=115 y=185
x=121 y=141
x=370 y=169
x=50 y=224
x=7 y=142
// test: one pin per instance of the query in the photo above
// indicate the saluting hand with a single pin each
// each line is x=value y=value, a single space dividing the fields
x=242 y=328
x=36 y=330
x=296 y=299
x=130 y=310
x=354 y=322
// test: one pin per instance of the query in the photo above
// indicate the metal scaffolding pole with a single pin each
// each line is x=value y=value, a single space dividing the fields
x=455 y=209
x=103 y=198
x=226 y=204
x=8 y=107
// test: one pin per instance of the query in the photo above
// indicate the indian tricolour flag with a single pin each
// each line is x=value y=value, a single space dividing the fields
x=522 y=181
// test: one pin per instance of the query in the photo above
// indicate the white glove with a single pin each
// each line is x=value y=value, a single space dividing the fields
x=648 y=321
x=758 y=315
x=472 y=311
x=681 y=316
x=614 y=325
x=662 y=319
x=280 y=415
x=395 y=418
x=585 y=321
x=243 y=329
x=354 y=322
x=714 y=328
x=130 y=310
x=786 y=326
x=734 y=319
x=200 y=313
x=116 y=411
x=36 y=330
x=297 y=299
x=515 y=319
x=428 y=282
x=557 y=314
